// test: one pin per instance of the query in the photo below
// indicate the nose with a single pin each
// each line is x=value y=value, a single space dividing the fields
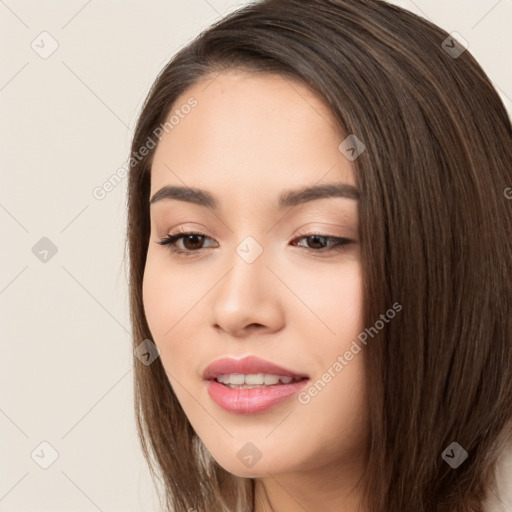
x=248 y=297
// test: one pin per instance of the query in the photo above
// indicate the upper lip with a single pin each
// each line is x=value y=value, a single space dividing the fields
x=247 y=365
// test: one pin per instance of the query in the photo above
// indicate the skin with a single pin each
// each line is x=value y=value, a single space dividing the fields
x=249 y=138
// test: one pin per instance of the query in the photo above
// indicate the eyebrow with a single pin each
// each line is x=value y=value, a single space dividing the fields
x=286 y=199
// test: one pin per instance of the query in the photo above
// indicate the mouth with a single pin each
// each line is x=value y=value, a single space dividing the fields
x=255 y=380
x=249 y=370
x=251 y=385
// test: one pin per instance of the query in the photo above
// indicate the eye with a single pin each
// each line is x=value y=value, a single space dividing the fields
x=320 y=242
x=192 y=242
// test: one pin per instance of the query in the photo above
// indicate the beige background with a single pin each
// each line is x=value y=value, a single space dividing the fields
x=66 y=123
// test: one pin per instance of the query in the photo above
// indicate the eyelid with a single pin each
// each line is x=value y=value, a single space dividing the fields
x=339 y=244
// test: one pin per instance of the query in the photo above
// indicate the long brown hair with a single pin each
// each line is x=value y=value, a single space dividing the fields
x=435 y=235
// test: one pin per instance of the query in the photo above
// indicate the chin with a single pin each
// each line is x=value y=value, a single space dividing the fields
x=238 y=469
x=246 y=462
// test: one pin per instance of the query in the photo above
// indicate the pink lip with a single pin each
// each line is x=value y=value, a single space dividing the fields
x=246 y=365
x=250 y=401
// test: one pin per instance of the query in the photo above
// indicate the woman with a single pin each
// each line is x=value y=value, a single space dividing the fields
x=320 y=255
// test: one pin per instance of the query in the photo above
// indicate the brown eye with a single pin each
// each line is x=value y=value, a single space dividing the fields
x=192 y=242
x=318 y=243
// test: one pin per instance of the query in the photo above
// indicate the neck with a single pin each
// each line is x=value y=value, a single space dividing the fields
x=319 y=489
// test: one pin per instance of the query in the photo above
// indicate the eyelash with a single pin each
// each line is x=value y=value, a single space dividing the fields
x=170 y=240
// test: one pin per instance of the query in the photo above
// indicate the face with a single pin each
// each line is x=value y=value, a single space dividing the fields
x=278 y=282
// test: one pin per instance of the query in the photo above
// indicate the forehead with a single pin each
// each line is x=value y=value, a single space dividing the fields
x=250 y=132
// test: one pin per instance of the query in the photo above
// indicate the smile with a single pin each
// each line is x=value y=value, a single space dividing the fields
x=251 y=385
x=254 y=380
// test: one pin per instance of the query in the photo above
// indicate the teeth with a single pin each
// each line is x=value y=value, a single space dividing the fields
x=270 y=380
x=253 y=380
x=236 y=379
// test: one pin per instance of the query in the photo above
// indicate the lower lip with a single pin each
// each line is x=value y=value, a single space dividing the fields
x=252 y=401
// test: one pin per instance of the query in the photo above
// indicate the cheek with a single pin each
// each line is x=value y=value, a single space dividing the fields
x=344 y=300
x=337 y=300
x=169 y=305
x=167 y=295
x=155 y=297
x=333 y=296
